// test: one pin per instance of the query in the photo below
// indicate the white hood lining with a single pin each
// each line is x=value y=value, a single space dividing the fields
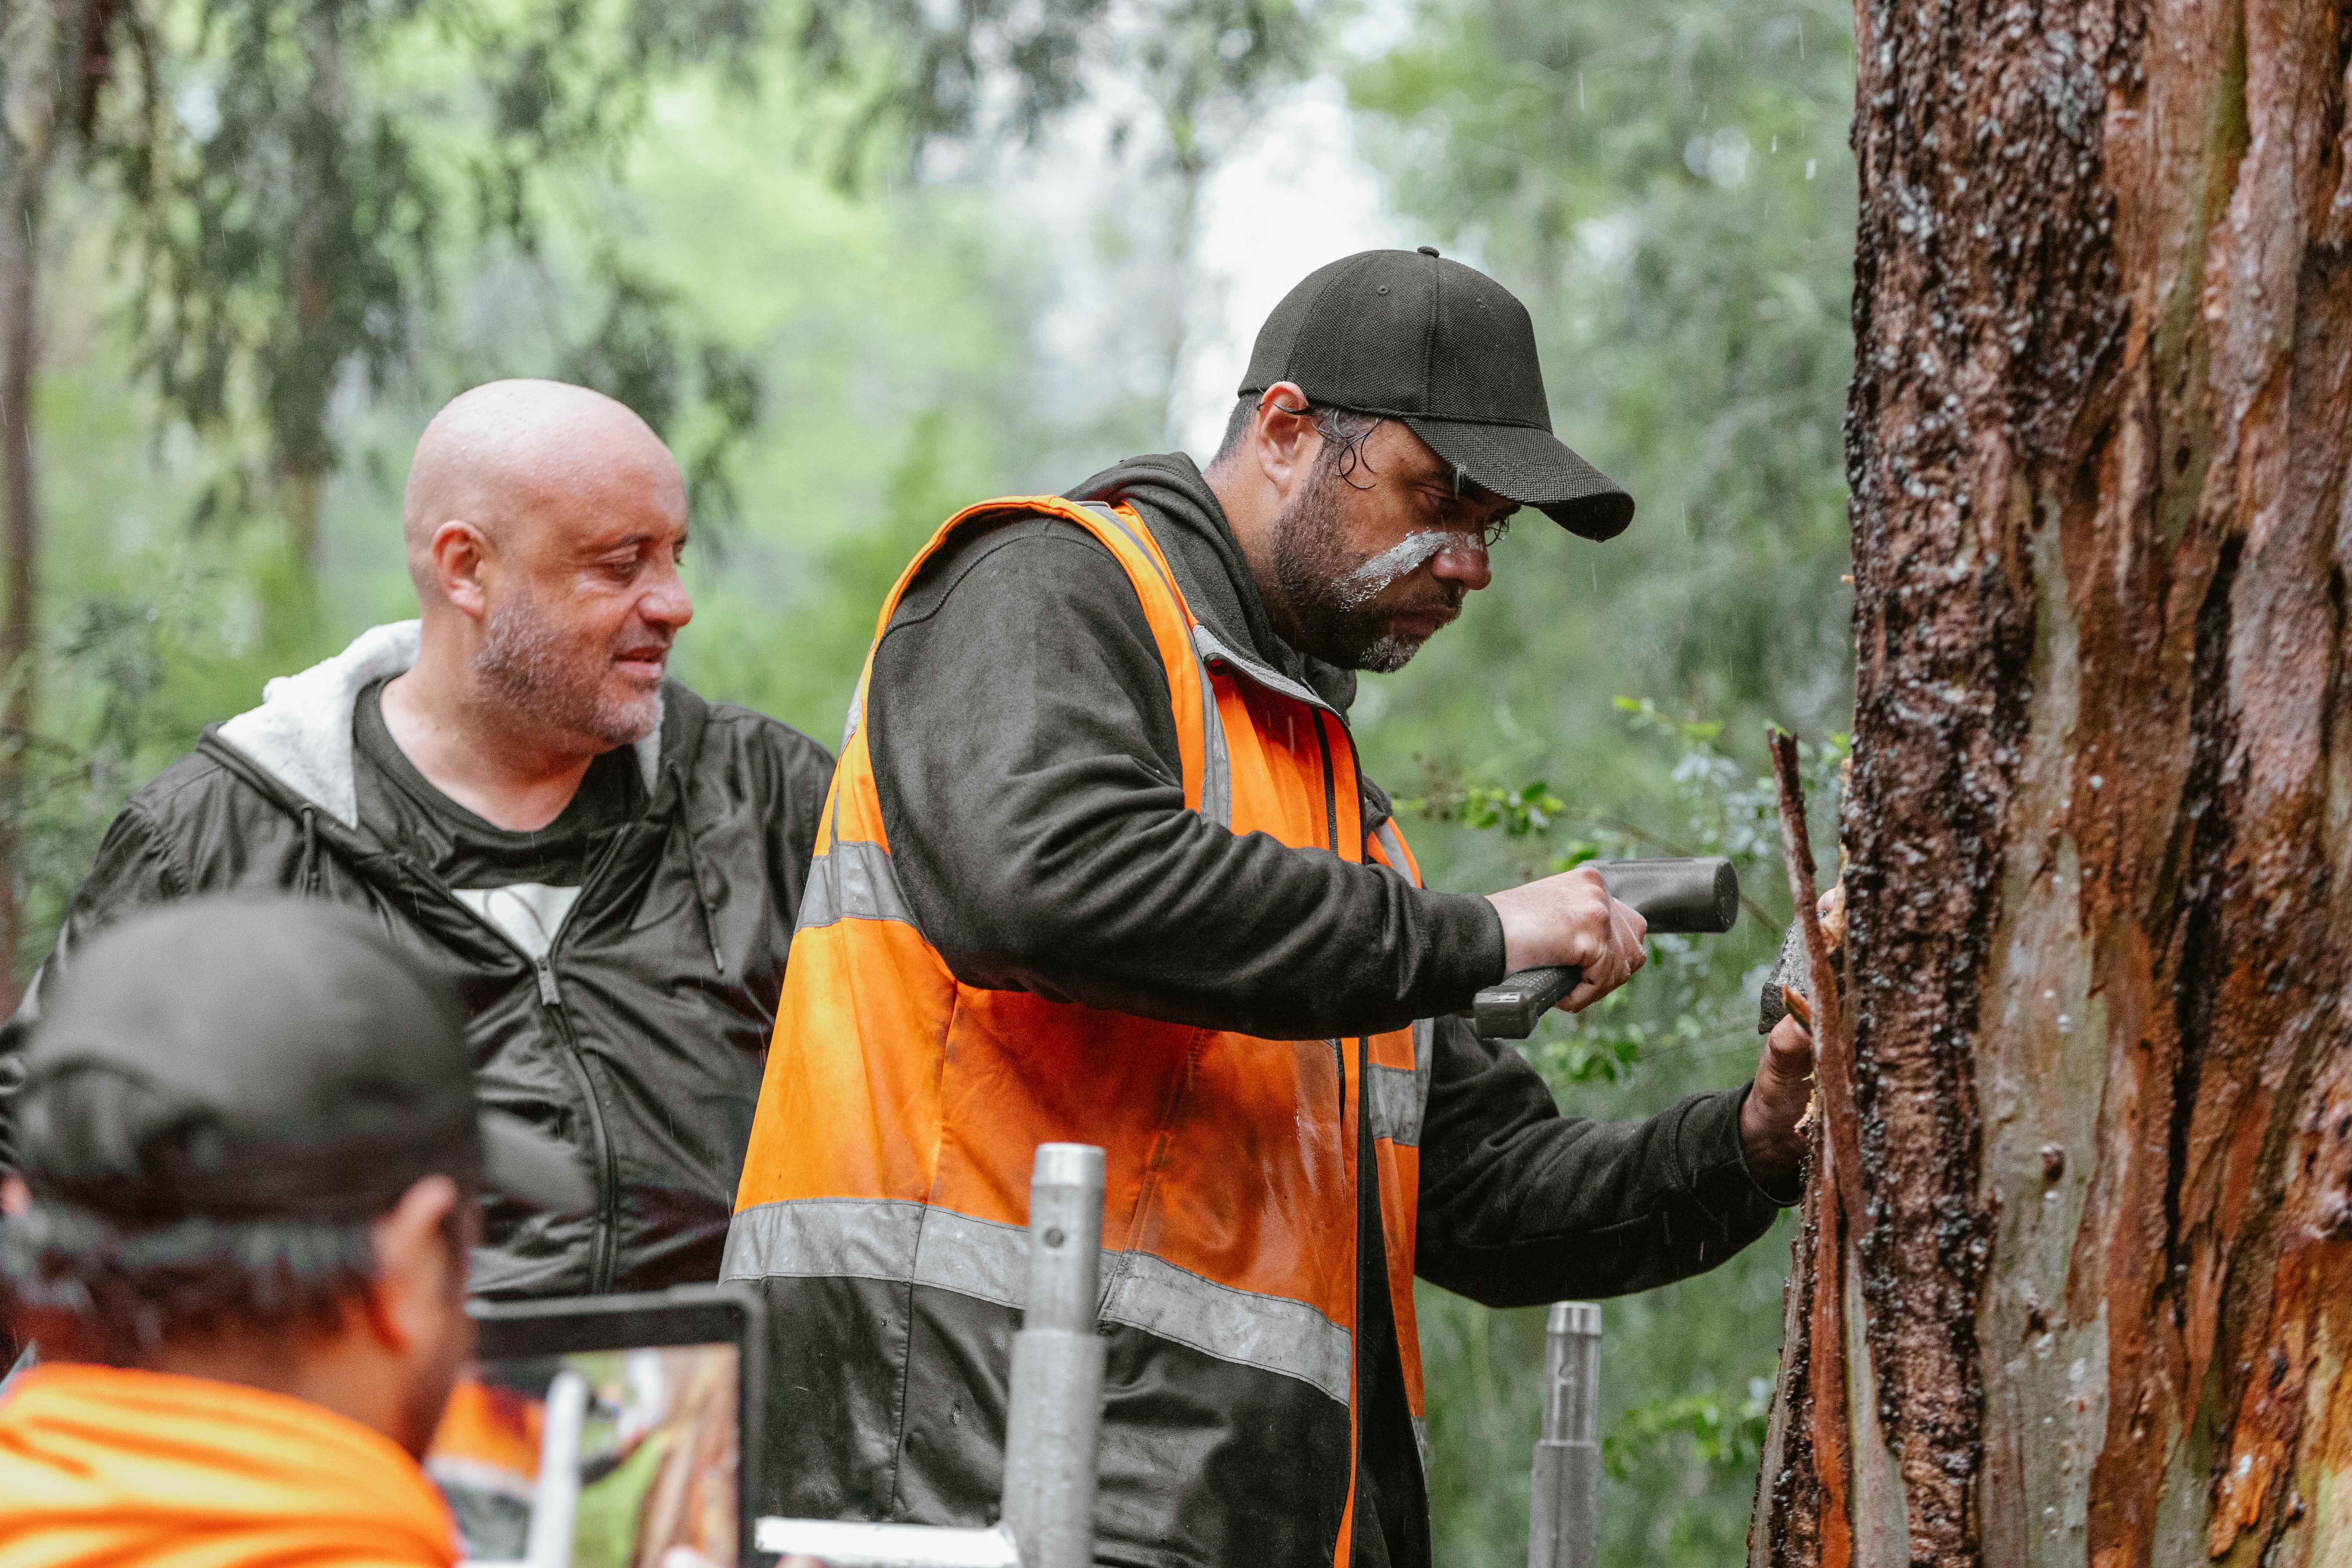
x=301 y=733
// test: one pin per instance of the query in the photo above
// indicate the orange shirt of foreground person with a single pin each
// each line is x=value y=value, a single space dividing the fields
x=236 y=1239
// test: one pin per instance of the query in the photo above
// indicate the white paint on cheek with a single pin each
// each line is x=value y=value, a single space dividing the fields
x=1371 y=579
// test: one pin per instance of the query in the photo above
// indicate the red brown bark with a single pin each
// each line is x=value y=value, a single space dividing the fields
x=2100 y=899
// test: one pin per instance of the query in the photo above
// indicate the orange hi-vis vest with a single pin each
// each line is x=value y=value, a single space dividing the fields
x=103 y=1468
x=901 y=1109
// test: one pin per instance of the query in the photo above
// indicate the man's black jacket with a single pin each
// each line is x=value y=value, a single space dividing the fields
x=641 y=1036
x=1021 y=656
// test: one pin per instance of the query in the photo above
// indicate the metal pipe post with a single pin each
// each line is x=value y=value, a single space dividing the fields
x=1564 y=1506
x=556 y=1504
x=1055 y=1420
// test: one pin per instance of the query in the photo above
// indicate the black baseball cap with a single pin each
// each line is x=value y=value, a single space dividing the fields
x=1449 y=353
x=243 y=1060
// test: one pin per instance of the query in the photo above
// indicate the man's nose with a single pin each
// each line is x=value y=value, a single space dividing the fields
x=1465 y=561
x=666 y=603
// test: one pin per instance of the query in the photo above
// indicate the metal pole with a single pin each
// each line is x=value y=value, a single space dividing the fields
x=1564 y=1506
x=1057 y=1365
x=556 y=1503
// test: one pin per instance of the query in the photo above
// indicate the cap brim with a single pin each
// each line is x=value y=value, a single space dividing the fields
x=531 y=1168
x=1534 y=467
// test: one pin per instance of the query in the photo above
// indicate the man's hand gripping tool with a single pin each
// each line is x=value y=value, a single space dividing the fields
x=1699 y=895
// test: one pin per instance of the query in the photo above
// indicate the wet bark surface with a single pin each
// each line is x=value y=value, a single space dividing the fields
x=2100 y=900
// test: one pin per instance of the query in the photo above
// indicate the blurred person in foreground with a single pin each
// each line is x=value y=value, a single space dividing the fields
x=248 y=1150
x=509 y=787
x=1102 y=867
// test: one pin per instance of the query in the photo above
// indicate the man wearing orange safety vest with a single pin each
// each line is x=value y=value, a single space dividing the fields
x=1098 y=865
x=249 y=1170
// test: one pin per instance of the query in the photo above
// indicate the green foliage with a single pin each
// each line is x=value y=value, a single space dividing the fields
x=298 y=178
x=1527 y=810
x=1726 y=1439
x=128 y=671
x=302 y=178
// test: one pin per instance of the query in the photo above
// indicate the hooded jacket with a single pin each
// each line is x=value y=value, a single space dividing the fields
x=1028 y=770
x=103 y=1468
x=638 y=1037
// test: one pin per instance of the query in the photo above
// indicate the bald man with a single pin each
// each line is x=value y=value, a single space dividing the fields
x=510 y=786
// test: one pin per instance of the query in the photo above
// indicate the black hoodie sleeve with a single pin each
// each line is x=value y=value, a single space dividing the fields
x=1520 y=1205
x=1032 y=789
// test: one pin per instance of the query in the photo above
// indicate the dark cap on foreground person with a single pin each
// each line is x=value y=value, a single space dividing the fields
x=1451 y=354
x=236 y=1059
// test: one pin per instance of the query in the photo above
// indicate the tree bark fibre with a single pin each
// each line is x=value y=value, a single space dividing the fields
x=2100 y=898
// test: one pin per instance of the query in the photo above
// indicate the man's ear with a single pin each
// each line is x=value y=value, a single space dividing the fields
x=461 y=552
x=417 y=1272
x=1282 y=438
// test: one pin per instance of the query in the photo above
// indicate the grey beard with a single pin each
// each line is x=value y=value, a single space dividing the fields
x=1331 y=621
x=524 y=660
x=1387 y=654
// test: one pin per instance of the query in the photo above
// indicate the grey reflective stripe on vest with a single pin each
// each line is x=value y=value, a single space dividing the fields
x=1395 y=1095
x=1399 y=1097
x=1269 y=1333
x=856 y=711
x=898 y=1240
x=879 y=1239
x=853 y=880
x=1216 y=764
x=1207 y=644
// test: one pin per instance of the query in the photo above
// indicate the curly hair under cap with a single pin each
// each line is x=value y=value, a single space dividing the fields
x=1343 y=431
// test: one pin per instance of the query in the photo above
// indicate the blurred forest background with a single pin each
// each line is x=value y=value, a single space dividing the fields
x=864 y=261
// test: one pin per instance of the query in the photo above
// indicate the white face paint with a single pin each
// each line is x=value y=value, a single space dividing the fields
x=1368 y=582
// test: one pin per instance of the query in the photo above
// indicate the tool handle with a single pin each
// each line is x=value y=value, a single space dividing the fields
x=1698 y=896
x=1509 y=1010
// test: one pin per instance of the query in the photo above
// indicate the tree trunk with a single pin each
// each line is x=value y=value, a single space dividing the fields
x=42 y=86
x=20 y=541
x=306 y=377
x=2093 y=1301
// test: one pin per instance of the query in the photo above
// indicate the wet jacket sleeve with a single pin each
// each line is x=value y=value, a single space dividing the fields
x=1520 y=1205
x=1032 y=789
x=134 y=868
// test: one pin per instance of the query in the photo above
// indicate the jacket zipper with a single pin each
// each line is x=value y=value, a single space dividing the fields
x=602 y=1262
x=599 y=1255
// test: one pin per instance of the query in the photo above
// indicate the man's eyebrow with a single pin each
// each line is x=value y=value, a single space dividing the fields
x=636 y=541
x=1460 y=487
